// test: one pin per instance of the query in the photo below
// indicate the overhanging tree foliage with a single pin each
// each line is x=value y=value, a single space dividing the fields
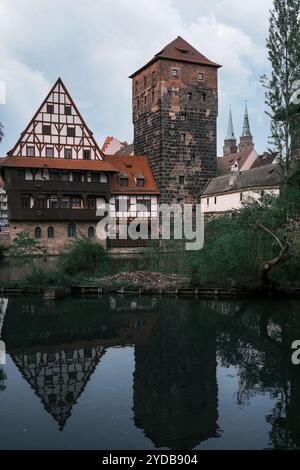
x=283 y=46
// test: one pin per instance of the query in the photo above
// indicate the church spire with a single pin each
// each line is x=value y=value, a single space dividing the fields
x=246 y=140
x=230 y=146
x=246 y=126
x=230 y=131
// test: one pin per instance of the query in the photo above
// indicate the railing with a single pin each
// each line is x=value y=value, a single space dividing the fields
x=53 y=214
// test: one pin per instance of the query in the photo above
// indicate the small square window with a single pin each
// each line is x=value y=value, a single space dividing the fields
x=183 y=117
x=68 y=153
x=140 y=182
x=86 y=154
x=71 y=131
x=46 y=130
x=50 y=108
x=68 y=110
x=30 y=151
x=124 y=182
x=200 y=76
x=49 y=152
x=175 y=72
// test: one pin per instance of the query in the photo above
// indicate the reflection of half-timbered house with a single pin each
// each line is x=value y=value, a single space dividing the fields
x=56 y=176
x=59 y=377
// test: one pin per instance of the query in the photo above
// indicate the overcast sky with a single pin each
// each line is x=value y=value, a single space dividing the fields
x=94 y=45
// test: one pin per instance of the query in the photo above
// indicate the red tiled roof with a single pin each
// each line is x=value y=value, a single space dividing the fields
x=225 y=163
x=265 y=159
x=181 y=51
x=133 y=166
x=57 y=163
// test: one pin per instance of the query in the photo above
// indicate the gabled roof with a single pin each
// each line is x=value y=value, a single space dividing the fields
x=181 y=51
x=265 y=159
x=126 y=150
x=58 y=88
x=267 y=176
x=225 y=163
x=131 y=166
x=57 y=163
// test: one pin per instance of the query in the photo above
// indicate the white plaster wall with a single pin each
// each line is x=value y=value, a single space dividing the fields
x=231 y=201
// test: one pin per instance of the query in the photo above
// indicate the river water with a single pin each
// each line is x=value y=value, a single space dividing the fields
x=146 y=372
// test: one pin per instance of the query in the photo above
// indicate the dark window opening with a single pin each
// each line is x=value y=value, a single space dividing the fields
x=91 y=232
x=190 y=96
x=91 y=203
x=124 y=182
x=77 y=177
x=21 y=175
x=204 y=97
x=53 y=175
x=30 y=151
x=181 y=179
x=50 y=232
x=37 y=232
x=71 y=230
x=95 y=177
x=68 y=153
x=140 y=182
x=53 y=202
x=46 y=130
x=183 y=117
x=65 y=203
x=193 y=159
x=200 y=76
x=41 y=202
x=25 y=201
x=50 y=108
x=86 y=154
x=68 y=110
x=215 y=200
x=50 y=152
x=64 y=176
x=71 y=131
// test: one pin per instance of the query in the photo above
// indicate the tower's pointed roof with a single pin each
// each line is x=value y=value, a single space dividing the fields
x=246 y=126
x=181 y=51
x=230 y=131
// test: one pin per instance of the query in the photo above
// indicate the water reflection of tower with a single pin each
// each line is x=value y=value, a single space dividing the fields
x=59 y=377
x=175 y=388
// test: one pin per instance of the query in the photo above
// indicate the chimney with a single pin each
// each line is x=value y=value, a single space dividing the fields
x=234 y=172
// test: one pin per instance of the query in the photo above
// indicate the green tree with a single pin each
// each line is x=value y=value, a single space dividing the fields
x=24 y=250
x=283 y=46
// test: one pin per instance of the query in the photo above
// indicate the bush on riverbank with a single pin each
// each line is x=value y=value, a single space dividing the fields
x=81 y=255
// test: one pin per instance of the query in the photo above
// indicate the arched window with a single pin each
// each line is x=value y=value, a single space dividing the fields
x=91 y=232
x=37 y=232
x=50 y=232
x=71 y=230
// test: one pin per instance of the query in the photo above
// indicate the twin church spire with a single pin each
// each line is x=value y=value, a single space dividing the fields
x=246 y=139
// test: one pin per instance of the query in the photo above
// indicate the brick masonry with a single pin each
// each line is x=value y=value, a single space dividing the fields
x=175 y=120
x=56 y=244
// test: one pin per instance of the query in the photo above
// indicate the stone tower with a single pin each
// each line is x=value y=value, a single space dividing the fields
x=230 y=146
x=246 y=139
x=175 y=108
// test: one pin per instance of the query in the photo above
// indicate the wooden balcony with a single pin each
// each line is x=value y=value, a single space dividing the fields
x=63 y=187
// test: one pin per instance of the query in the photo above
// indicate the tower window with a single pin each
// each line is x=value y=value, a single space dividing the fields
x=200 y=76
x=183 y=137
x=145 y=82
x=183 y=117
x=204 y=97
x=153 y=96
x=175 y=72
x=70 y=131
x=46 y=130
x=181 y=179
x=145 y=100
x=49 y=152
x=193 y=159
x=153 y=78
x=190 y=96
x=50 y=108
x=136 y=86
x=68 y=110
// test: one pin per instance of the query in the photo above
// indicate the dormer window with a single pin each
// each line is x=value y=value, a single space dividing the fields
x=140 y=180
x=123 y=177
